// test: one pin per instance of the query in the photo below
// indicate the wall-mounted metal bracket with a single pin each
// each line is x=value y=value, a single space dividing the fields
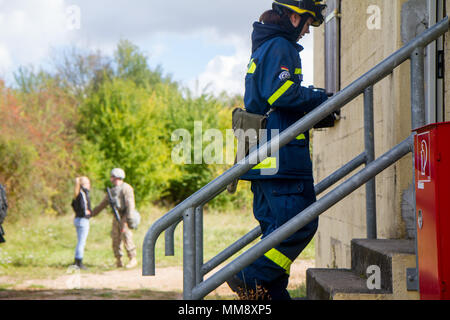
x=412 y=281
x=334 y=14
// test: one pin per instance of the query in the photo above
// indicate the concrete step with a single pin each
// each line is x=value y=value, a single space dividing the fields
x=393 y=257
x=385 y=254
x=339 y=284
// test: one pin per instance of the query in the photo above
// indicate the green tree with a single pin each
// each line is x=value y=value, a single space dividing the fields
x=123 y=122
x=132 y=64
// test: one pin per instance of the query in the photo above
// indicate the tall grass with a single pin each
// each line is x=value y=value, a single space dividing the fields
x=41 y=247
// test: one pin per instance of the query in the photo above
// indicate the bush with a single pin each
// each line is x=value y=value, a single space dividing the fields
x=95 y=113
x=37 y=160
x=121 y=124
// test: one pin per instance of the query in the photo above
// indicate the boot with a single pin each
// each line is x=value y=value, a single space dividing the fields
x=119 y=263
x=132 y=263
x=237 y=286
x=79 y=264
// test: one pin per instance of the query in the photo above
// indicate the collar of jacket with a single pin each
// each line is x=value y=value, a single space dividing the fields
x=264 y=32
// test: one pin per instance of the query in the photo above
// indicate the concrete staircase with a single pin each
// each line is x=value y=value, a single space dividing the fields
x=393 y=257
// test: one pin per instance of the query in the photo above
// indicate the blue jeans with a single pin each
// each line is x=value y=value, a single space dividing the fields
x=82 y=226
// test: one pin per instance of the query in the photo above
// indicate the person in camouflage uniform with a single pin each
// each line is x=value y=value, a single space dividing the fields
x=123 y=196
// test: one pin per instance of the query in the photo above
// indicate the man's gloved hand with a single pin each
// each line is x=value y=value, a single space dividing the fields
x=323 y=97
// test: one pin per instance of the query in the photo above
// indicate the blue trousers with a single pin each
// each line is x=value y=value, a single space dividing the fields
x=82 y=226
x=275 y=202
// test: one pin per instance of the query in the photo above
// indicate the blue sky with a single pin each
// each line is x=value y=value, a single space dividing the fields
x=198 y=42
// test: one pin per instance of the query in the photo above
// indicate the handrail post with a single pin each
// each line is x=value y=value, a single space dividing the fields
x=414 y=50
x=169 y=237
x=417 y=120
x=303 y=218
x=418 y=88
x=198 y=244
x=369 y=141
x=188 y=253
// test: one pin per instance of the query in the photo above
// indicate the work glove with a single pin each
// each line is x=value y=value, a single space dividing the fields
x=329 y=121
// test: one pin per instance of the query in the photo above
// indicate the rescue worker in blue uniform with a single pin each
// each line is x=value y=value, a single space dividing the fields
x=282 y=185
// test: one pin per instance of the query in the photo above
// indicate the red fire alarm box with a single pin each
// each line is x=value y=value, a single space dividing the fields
x=432 y=170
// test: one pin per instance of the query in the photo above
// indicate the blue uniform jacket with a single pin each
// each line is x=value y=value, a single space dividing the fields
x=274 y=81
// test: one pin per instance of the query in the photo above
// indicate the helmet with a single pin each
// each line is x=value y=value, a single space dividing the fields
x=118 y=173
x=313 y=8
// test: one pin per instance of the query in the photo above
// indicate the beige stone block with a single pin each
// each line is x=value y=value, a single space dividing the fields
x=361 y=296
x=361 y=50
x=400 y=262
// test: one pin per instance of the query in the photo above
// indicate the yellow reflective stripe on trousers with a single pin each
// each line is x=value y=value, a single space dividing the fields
x=268 y=163
x=298 y=71
x=280 y=92
x=279 y=259
x=301 y=137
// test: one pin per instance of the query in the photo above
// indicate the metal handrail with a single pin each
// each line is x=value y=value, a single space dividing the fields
x=193 y=271
x=254 y=234
x=300 y=220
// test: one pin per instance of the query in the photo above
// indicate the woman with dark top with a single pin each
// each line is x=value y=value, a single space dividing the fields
x=82 y=207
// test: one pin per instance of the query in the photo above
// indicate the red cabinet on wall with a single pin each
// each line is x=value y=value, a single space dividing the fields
x=432 y=170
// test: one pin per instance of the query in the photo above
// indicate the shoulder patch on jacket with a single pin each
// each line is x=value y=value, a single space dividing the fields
x=285 y=75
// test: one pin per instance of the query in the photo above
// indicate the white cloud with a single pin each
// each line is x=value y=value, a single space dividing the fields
x=5 y=59
x=29 y=28
x=224 y=73
x=105 y=18
x=157 y=50
x=227 y=73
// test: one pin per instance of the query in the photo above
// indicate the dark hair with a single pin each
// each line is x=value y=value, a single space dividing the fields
x=272 y=17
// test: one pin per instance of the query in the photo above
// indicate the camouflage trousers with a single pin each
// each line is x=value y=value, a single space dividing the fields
x=122 y=234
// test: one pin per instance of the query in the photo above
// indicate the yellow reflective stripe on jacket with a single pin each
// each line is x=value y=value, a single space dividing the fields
x=252 y=67
x=301 y=137
x=279 y=259
x=298 y=71
x=268 y=163
x=280 y=92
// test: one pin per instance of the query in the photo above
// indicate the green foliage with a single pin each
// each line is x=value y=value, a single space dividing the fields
x=80 y=72
x=93 y=113
x=29 y=81
x=129 y=120
x=16 y=170
x=16 y=158
x=37 y=141
x=183 y=114
x=132 y=65
x=119 y=121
